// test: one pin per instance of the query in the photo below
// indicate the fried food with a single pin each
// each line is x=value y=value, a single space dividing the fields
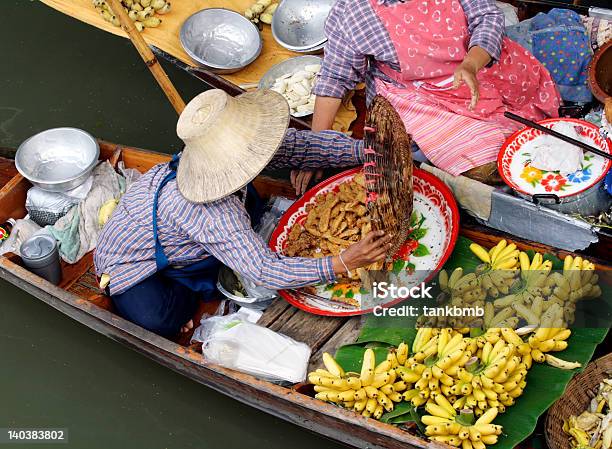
x=336 y=220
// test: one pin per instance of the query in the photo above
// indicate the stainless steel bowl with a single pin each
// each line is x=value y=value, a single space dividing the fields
x=58 y=159
x=228 y=284
x=221 y=40
x=290 y=65
x=298 y=25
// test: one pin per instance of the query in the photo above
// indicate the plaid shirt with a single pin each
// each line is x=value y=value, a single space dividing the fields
x=356 y=35
x=190 y=232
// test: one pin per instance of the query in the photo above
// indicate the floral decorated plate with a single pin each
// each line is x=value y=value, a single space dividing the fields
x=430 y=243
x=514 y=161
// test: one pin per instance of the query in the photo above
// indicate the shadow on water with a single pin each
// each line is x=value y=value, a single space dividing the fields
x=56 y=71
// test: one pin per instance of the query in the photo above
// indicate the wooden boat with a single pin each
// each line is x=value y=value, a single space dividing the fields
x=79 y=297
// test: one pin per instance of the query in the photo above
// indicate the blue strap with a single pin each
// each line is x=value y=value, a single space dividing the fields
x=160 y=256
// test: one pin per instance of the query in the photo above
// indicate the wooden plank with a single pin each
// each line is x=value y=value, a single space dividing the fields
x=89 y=280
x=347 y=334
x=12 y=198
x=7 y=170
x=273 y=312
x=283 y=318
x=72 y=272
x=82 y=291
x=314 y=330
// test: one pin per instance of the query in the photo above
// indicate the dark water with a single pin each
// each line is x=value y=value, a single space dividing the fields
x=54 y=372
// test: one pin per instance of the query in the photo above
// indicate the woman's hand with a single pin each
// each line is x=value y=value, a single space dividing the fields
x=372 y=248
x=475 y=59
x=466 y=73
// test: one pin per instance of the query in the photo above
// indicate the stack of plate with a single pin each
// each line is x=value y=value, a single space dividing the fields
x=299 y=25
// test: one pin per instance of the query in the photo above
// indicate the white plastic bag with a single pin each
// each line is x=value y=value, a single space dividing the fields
x=510 y=13
x=233 y=342
x=22 y=230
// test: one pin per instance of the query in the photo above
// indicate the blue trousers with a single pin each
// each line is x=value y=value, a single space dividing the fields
x=159 y=304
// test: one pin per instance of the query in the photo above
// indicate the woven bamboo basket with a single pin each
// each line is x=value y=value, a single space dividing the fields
x=575 y=400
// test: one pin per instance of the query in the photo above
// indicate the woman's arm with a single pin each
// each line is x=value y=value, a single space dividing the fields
x=228 y=235
x=325 y=111
x=486 y=26
x=312 y=150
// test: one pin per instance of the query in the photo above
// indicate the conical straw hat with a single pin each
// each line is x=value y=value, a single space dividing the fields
x=228 y=141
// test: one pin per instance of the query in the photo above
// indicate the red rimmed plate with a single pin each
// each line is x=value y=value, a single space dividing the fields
x=514 y=160
x=432 y=199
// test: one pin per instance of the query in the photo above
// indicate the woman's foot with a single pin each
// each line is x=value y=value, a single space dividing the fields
x=187 y=327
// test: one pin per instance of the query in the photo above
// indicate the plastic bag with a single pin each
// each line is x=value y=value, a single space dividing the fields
x=274 y=210
x=131 y=175
x=22 y=230
x=510 y=13
x=233 y=342
x=45 y=207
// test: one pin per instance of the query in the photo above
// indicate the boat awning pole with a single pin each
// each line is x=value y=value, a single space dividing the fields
x=147 y=56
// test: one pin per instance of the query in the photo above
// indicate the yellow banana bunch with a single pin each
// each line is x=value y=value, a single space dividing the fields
x=545 y=340
x=371 y=393
x=436 y=359
x=496 y=379
x=534 y=275
x=462 y=289
x=505 y=317
x=501 y=257
x=582 y=279
x=498 y=282
x=443 y=424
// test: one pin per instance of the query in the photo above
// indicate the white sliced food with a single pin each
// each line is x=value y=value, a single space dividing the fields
x=301 y=101
x=301 y=90
x=304 y=108
x=313 y=68
x=291 y=95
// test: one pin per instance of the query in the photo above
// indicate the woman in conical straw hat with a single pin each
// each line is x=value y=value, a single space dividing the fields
x=160 y=252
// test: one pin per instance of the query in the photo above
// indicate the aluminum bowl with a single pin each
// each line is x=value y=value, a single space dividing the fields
x=228 y=284
x=58 y=159
x=298 y=25
x=290 y=65
x=221 y=40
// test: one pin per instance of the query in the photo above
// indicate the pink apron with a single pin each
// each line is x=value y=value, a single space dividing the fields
x=431 y=38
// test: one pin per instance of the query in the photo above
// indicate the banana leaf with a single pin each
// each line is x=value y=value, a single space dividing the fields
x=545 y=384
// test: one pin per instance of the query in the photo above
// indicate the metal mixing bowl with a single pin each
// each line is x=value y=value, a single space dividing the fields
x=228 y=284
x=221 y=40
x=58 y=159
x=298 y=25
x=291 y=65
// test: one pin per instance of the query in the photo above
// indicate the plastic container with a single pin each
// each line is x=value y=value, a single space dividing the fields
x=40 y=255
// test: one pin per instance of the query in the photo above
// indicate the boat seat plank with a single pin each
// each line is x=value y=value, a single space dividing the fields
x=273 y=312
x=347 y=334
x=283 y=319
x=314 y=330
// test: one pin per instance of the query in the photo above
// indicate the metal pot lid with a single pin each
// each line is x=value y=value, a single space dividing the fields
x=514 y=160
